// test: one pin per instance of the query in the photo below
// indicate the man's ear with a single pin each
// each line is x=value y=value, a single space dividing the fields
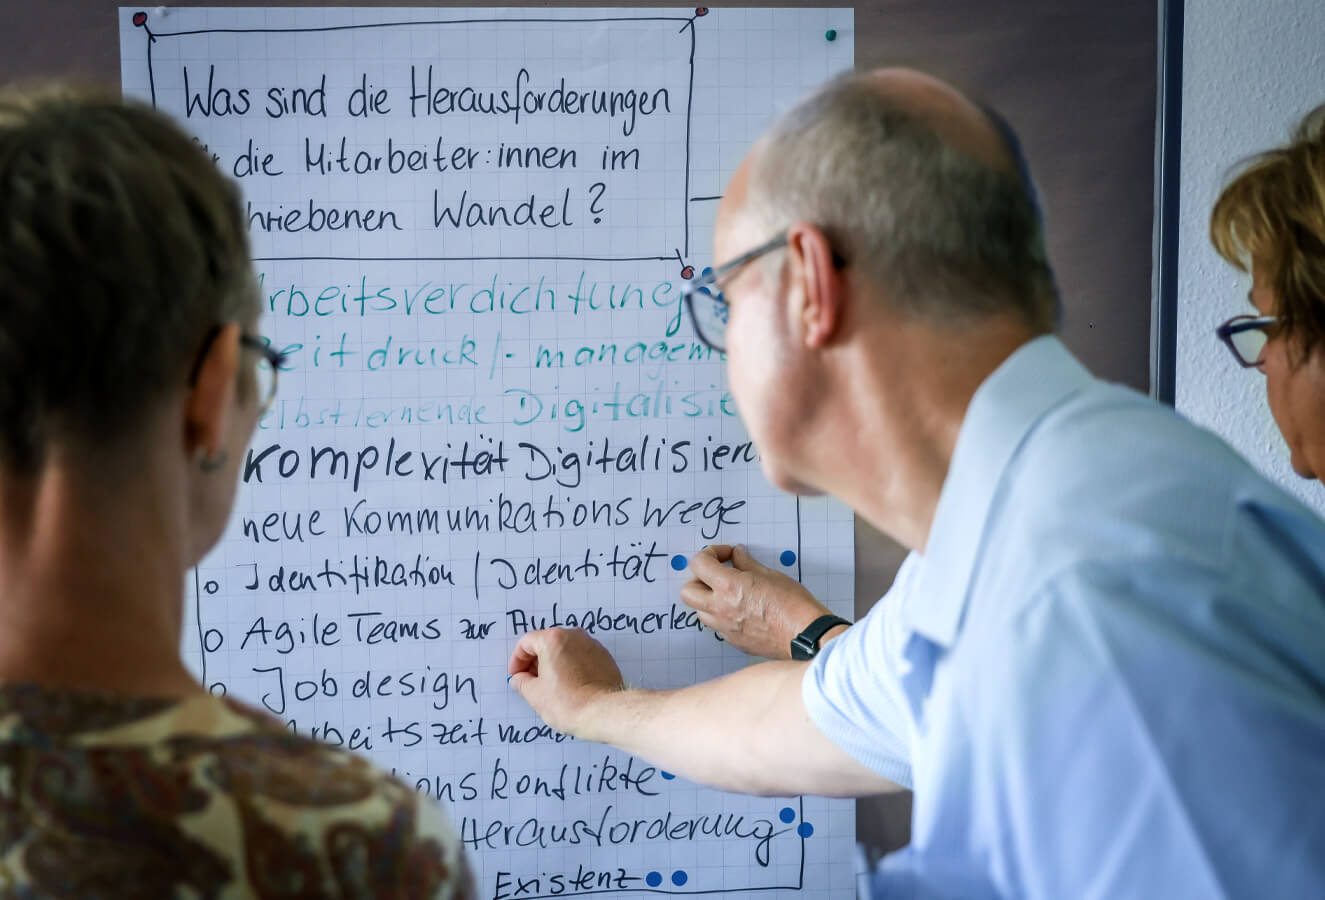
x=823 y=285
x=211 y=399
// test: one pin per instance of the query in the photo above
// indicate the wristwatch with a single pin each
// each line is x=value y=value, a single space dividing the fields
x=806 y=644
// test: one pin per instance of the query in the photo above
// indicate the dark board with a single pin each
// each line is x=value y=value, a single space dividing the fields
x=1077 y=80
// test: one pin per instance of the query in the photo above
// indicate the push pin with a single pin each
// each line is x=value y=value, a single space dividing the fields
x=831 y=34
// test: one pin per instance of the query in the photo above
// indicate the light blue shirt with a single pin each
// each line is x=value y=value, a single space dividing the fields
x=1105 y=678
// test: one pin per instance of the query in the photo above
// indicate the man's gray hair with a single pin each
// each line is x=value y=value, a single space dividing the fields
x=948 y=238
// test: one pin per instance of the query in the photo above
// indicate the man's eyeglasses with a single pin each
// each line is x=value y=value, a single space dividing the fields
x=704 y=298
x=270 y=362
x=1246 y=337
x=703 y=295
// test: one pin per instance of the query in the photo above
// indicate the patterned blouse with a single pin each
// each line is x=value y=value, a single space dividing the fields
x=112 y=797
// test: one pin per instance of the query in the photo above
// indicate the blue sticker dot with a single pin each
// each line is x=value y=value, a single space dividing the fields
x=667 y=776
x=788 y=557
x=678 y=562
x=787 y=815
x=653 y=879
x=679 y=878
x=805 y=829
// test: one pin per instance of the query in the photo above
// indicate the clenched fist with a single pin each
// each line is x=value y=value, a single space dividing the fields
x=562 y=673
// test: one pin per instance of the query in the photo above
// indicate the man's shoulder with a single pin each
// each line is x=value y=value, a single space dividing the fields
x=1121 y=506
x=1112 y=474
x=1106 y=430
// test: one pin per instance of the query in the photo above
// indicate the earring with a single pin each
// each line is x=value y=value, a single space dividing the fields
x=210 y=464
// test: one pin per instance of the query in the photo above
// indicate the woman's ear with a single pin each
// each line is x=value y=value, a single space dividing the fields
x=823 y=284
x=211 y=399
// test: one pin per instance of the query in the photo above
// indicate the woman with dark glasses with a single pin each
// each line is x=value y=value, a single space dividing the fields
x=1270 y=221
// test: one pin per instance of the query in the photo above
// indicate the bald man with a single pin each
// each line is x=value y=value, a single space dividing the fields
x=1102 y=669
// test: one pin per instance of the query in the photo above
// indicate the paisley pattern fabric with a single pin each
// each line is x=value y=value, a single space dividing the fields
x=111 y=797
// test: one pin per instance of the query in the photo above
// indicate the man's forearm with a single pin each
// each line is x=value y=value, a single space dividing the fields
x=745 y=732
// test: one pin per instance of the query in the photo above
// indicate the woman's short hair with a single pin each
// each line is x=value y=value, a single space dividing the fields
x=121 y=247
x=1271 y=216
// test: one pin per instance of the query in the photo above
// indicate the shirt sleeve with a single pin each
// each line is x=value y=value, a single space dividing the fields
x=852 y=692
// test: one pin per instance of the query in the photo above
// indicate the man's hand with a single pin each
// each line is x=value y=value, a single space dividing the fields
x=563 y=673
x=754 y=608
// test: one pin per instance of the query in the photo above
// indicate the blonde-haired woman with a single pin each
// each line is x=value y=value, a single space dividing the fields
x=1270 y=221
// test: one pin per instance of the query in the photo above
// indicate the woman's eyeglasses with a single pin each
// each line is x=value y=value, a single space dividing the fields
x=270 y=362
x=1246 y=337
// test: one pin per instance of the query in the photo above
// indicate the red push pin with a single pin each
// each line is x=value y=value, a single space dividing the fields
x=701 y=10
x=140 y=19
x=688 y=272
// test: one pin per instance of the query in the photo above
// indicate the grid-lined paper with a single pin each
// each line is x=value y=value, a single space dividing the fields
x=471 y=226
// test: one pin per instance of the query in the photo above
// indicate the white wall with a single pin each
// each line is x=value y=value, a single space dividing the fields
x=1251 y=69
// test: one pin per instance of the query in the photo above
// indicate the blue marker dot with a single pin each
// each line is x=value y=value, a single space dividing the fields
x=707 y=270
x=805 y=829
x=788 y=557
x=653 y=879
x=787 y=815
x=667 y=776
x=679 y=878
x=678 y=562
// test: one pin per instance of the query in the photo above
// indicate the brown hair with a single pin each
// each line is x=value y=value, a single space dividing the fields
x=121 y=247
x=1272 y=216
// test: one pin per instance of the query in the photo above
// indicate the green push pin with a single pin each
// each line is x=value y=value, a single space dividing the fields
x=831 y=34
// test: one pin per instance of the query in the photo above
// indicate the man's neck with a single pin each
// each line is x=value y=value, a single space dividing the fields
x=902 y=417
x=90 y=585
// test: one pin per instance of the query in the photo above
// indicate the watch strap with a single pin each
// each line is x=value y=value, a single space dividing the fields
x=806 y=644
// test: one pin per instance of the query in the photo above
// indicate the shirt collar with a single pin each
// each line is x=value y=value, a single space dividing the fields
x=1004 y=410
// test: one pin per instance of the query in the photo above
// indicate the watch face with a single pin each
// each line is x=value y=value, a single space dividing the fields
x=803 y=648
x=806 y=644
